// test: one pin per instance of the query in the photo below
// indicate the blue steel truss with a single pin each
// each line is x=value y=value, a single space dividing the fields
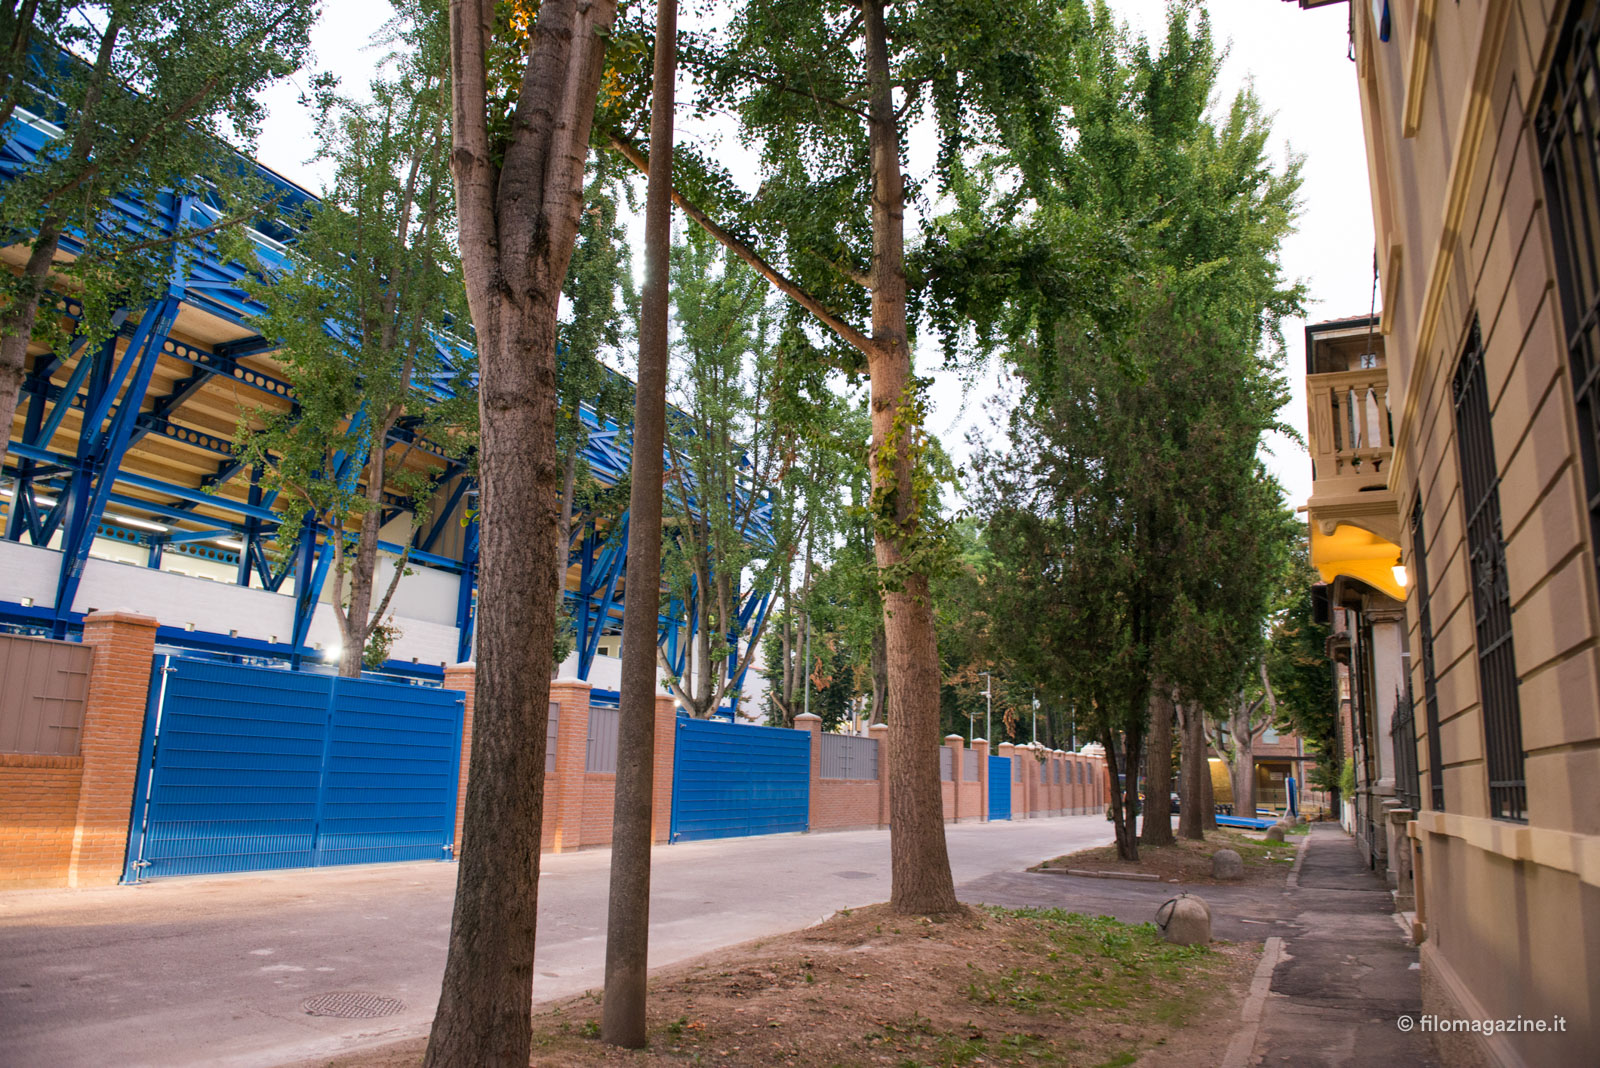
x=56 y=492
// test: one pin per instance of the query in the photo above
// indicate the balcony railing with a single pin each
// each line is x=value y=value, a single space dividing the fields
x=1352 y=434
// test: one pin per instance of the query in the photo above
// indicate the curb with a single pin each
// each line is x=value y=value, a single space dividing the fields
x=1293 y=882
x=1243 y=1043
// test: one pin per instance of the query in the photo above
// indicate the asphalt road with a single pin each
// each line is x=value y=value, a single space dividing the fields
x=214 y=970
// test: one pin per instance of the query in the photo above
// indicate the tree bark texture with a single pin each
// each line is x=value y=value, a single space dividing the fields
x=919 y=858
x=622 y=1021
x=519 y=215
x=1156 y=827
x=1195 y=772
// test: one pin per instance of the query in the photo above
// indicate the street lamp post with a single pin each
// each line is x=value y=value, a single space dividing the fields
x=988 y=708
x=1036 y=717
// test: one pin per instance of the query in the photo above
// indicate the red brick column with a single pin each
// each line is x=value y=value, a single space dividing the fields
x=811 y=723
x=880 y=731
x=661 y=785
x=113 y=726
x=955 y=744
x=463 y=677
x=981 y=746
x=1058 y=781
x=563 y=794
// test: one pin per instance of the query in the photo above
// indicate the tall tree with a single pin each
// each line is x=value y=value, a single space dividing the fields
x=356 y=316
x=519 y=146
x=622 y=1021
x=1140 y=299
x=815 y=81
x=737 y=449
x=146 y=109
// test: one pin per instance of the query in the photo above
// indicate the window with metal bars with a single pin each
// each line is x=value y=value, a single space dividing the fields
x=1491 y=591
x=1569 y=142
x=1430 y=685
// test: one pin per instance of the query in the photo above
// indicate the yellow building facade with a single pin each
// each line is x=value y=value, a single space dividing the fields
x=1482 y=481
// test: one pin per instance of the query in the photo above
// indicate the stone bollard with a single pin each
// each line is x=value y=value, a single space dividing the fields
x=1275 y=833
x=1227 y=864
x=1185 y=920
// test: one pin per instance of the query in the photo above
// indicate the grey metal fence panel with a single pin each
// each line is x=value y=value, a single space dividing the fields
x=947 y=764
x=1016 y=767
x=849 y=756
x=552 y=731
x=969 y=765
x=601 y=755
x=43 y=686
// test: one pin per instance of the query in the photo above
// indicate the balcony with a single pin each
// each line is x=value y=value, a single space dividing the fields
x=1354 y=516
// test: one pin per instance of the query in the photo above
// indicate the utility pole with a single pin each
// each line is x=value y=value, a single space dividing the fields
x=805 y=675
x=988 y=708
x=1035 y=717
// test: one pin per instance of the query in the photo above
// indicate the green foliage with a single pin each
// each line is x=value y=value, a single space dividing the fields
x=146 y=111
x=373 y=276
x=1347 y=779
x=1137 y=540
x=1301 y=673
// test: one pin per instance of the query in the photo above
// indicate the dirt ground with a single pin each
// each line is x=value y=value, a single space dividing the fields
x=1265 y=863
x=993 y=986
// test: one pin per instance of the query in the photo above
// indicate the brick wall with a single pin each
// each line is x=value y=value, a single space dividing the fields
x=38 y=813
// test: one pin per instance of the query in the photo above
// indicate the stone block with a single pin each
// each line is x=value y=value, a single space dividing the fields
x=1185 y=921
x=1227 y=864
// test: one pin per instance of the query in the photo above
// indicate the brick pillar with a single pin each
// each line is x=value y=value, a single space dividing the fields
x=1058 y=787
x=956 y=745
x=563 y=794
x=880 y=731
x=661 y=783
x=113 y=728
x=981 y=746
x=463 y=677
x=811 y=723
x=1075 y=773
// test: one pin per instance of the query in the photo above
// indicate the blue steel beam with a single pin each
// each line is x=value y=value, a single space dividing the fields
x=100 y=452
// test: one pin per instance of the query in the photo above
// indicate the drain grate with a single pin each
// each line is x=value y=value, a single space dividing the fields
x=351 y=1006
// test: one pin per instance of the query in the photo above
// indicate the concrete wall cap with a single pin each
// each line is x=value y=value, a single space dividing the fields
x=568 y=680
x=465 y=665
x=809 y=717
x=121 y=615
x=953 y=738
x=878 y=727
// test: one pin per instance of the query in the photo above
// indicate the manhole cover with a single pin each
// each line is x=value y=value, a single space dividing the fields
x=853 y=874
x=352 y=1006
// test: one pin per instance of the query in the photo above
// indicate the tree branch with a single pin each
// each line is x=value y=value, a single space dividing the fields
x=849 y=334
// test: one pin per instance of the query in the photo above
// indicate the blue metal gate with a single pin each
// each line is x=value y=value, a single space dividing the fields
x=999 y=788
x=252 y=769
x=730 y=780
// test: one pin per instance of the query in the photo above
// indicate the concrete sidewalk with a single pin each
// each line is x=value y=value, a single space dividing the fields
x=1343 y=972
x=1347 y=973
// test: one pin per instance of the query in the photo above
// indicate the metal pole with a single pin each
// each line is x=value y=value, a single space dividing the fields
x=1035 y=717
x=806 y=674
x=988 y=708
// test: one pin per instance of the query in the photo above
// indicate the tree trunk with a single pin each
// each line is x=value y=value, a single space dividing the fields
x=1196 y=772
x=16 y=327
x=1244 y=775
x=919 y=859
x=1157 y=822
x=519 y=211
x=880 y=677
x=1124 y=798
x=628 y=917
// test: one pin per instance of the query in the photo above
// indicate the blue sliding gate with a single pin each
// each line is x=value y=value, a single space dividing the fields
x=1000 y=788
x=730 y=780
x=253 y=769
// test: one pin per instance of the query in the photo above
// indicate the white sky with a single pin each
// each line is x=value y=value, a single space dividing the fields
x=1296 y=60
